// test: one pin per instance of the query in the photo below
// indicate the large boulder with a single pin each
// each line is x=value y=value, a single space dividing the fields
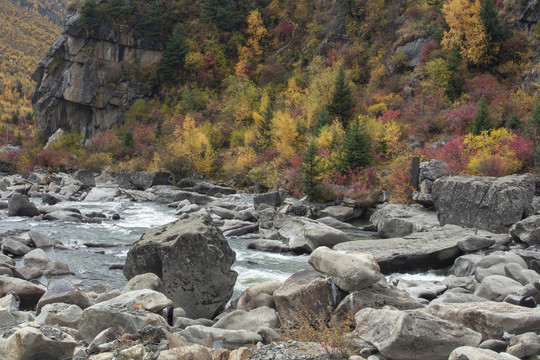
x=28 y=292
x=193 y=260
x=306 y=295
x=37 y=258
x=144 y=299
x=491 y=319
x=273 y=198
x=14 y=247
x=199 y=334
x=19 y=205
x=474 y=353
x=412 y=334
x=394 y=220
x=99 y=194
x=251 y=321
x=40 y=239
x=30 y=341
x=136 y=180
x=350 y=270
x=60 y=314
x=420 y=251
x=497 y=287
x=488 y=203
x=63 y=291
x=302 y=234
x=86 y=178
x=144 y=281
x=258 y=295
x=527 y=230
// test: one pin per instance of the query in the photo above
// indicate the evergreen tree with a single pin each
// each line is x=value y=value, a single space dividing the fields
x=152 y=22
x=455 y=84
x=342 y=102
x=89 y=17
x=118 y=10
x=312 y=185
x=535 y=116
x=481 y=121
x=322 y=121
x=173 y=57
x=356 y=148
x=514 y=123
x=220 y=13
x=492 y=22
x=264 y=128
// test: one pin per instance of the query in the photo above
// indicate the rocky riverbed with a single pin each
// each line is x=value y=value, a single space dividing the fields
x=481 y=233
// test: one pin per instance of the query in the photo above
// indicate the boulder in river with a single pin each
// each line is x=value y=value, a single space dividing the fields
x=394 y=220
x=272 y=198
x=487 y=203
x=193 y=260
x=63 y=291
x=28 y=292
x=136 y=180
x=412 y=334
x=19 y=205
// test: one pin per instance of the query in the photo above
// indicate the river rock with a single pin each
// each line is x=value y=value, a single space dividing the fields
x=251 y=321
x=97 y=318
x=421 y=289
x=341 y=213
x=36 y=258
x=193 y=198
x=6 y=261
x=330 y=221
x=491 y=319
x=60 y=314
x=258 y=295
x=40 y=239
x=468 y=283
x=376 y=296
x=243 y=230
x=350 y=270
x=101 y=194
x=86 y=178
x=27 y=273
x=474 y=243
x=412 y=334
x=494 y=264
x=28 y=292
x=474 y=353
x=527 y=230
x=220 y=190
x=457 y=297
x=52 y=199
x=488 y=203
x=275 y=246
x=200 y=334
x=420 y=251
x=192 y=352
x=497 y=287
x=465 y=265
x=226 y=213
x=57 y=268
x=524 y=345
x=303 y=235
x=400 y=220
x=193 y=260
x=62 y=215
x=273 y=198
x=139 y=195
x=14 y=247
x=432 y=170
x=63 y=291
x=135 y=180
x=144 y=281
x=35 y=341
x=304 y=295
x=19 y=205
x=144 y=299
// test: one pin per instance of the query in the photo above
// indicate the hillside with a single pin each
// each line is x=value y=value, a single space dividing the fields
x=308 y=95
x=27 y=29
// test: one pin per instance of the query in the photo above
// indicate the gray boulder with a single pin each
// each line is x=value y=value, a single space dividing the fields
x=63 y=291
x=495 y=264
x=491 y=319
x=488 y=203
x=332 y=222
x=273 y=198
x=144 y=281
x=258 y=295
x=527 y=230
x=86 y=178
x=474 y=243
x=99 y=194
x=350 y=270
x=412 y=334
x=497 y=287
x=193 y=197
x=474 y=353
x=466 y=265
x=144 y=299
x=40 y=239
x=14 y=247
x=28 y=292
x=60 y=314
x=341 y=213
x=63 y=215
x=200 y=334
x=19 y=205
x=135 y=180
x=524 y=345
x=36 y=258
x=401 y=220
x=27 y=273
x=251 y=321
x=275 y=246
x=193 y=260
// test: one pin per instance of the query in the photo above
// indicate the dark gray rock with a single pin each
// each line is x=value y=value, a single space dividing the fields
x=86 y=178
x=63 y=291
x=19 y=205
x=193 y=260
x=193 y=198
x=433 y=169
x=135 y=180
x=274 y=198
x=40 y=239
x=52 y=199
x=527 y=230
x=274 y=246
x=413 y=50
x=488 y=203
x=14 y=247
x=474 y=243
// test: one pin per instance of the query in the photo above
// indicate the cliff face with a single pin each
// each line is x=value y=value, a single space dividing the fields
x=86 y=83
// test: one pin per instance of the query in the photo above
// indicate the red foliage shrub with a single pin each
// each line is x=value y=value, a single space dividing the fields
x=284 y=28
x=485 y=85
x=523 y=147
x=292 y=181
x=52 y=159
x=273 y=72
x=492 y=166
x=390 y=115
x=461 y=117
x=427 y=49
x=267 y=156
x=452 y=153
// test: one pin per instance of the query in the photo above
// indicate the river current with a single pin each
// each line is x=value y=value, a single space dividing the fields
x=91 y=264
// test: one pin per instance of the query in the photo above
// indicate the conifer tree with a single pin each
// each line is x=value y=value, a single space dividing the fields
x=221 y=13
x=264 y=128
x=535 y=116
x=173 y=57
x=152 y=23
x=455 y=83
x=322 y=121
x=89 y=17
x=481 y=121
x=492 y=22
x=356 y=148
x=342 y=102
x=312 y=185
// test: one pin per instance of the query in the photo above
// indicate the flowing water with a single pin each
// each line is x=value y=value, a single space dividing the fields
x=91 y=265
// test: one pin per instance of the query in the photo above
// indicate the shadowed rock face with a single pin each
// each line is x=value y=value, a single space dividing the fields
x=193 y=260
x=86 y=83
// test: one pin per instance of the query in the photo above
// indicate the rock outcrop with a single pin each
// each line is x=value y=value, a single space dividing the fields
x=193 y=260
x=87 y=81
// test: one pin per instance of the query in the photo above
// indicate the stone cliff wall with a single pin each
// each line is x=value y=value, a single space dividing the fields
x=87 y=82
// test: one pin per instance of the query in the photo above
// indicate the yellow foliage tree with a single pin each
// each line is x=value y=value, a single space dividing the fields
x=466 y=31
x=256 y=33
x=286 y=135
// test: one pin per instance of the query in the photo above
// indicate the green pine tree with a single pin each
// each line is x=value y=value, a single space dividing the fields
x=342 y=101
x=220 y=13
x=89 y=18
x=514 y=123
x=119 y=10
x=152 y=23
x=264 y=129
x=481 y=121
x=493 y=24
x=535 y=116
x=455 y=84
x=322 y=121
x=310 y=172
x=356 y=148
x=173 y=58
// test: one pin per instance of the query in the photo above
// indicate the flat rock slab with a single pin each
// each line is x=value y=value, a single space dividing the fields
x=394 y=220
x=416 y=252
x=491 y=319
